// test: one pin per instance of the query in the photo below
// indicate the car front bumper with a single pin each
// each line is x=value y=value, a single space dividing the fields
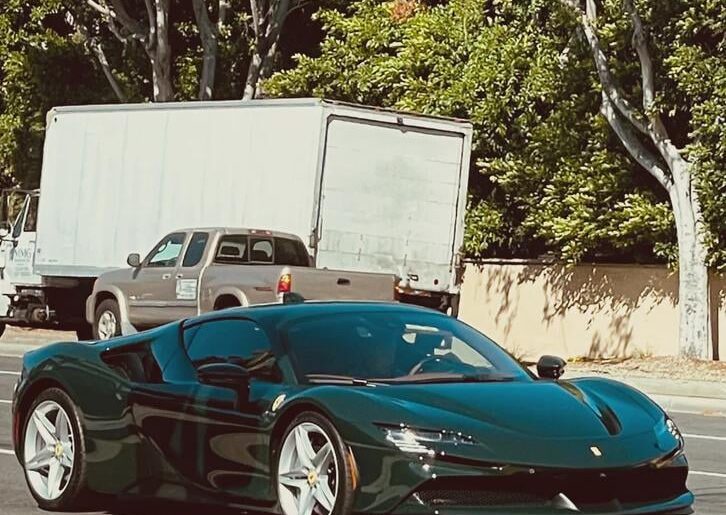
x=401 y=484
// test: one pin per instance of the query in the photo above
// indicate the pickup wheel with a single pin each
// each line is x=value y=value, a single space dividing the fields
x=107 y=322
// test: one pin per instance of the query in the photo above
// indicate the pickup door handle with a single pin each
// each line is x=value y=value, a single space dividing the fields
x=179 y=276
x=342 y=281
x=164 y=277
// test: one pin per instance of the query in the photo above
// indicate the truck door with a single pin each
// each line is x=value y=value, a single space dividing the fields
x=17 y=249
x=389 y=202
x=152 y=289
x=188 y=273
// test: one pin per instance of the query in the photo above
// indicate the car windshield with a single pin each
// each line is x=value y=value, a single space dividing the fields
x=395 y=347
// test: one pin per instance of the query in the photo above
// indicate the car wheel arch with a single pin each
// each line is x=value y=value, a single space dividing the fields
x=228 y=299
x=116 y=295
x=26 y=400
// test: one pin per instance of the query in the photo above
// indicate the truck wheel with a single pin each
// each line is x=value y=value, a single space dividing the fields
x=3 y=325
x=107 y=322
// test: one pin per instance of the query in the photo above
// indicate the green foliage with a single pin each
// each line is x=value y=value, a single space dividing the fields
x=550 y=176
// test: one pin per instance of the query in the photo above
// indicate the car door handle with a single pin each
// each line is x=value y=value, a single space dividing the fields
x=342 y=281
x=165 y=277
x=179 y=276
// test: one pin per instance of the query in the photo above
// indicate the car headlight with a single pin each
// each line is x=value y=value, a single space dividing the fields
x=421 y=441
x=673 y=430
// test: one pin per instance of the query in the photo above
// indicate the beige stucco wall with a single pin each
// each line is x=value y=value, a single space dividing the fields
x=586 y=310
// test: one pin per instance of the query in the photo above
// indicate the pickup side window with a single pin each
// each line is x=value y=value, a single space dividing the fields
x=232 y=250
x=195 y=250
x=241 y=342
x=291 y=253
x=261 y=250
x=167 y=251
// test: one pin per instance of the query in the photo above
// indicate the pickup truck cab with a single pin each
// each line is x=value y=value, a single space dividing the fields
x=193 y=271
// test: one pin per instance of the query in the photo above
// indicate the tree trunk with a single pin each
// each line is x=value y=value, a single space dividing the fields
x=267 y=35
x=693 y=277
x=208 y=34
x=161 y=59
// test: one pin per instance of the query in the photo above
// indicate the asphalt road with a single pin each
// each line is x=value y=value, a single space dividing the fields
x=705 y=446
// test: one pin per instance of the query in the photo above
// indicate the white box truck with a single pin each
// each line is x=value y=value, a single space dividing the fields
x=369 y=190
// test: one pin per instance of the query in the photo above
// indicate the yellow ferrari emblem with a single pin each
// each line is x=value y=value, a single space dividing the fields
x=278 y=402
x=312 y=477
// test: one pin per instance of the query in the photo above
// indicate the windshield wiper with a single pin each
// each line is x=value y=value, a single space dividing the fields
x=450 y=377
x=338 y=379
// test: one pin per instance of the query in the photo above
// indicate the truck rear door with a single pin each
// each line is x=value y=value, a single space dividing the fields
x=389 y=201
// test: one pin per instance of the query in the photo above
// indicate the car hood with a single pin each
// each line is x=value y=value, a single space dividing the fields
x=579 y=423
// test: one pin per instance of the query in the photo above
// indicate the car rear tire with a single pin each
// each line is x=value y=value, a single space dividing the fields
x=107 y=320
x=315 y=472
x=52 y=450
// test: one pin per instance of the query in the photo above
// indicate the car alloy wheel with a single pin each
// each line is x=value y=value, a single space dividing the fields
x=48 y=450
x=307 y=475
x=107 y=325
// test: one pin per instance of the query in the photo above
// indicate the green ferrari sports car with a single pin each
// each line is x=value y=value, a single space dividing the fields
x=335 y=408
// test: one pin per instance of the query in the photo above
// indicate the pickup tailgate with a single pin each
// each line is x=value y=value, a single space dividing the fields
x=322 y=284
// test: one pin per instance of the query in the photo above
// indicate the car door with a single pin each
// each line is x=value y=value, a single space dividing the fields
x=152 y=288
x=188 y=272
x=212 y=436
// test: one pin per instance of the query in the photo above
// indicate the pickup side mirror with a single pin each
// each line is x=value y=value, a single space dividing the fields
x=551 y=367
x=226 y=375
x=134 y=260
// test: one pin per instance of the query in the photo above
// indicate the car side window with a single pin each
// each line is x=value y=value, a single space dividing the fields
x=232 y=250
x=291 y=253
x=261 y=250
x=195 y=250
x=241 y=342
x=167 y=251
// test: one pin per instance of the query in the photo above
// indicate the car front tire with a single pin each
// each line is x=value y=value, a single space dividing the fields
x=314 y=471
x=52 y=451
x=107 y=320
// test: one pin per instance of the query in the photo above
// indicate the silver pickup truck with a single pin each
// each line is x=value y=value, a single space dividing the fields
x=193 y=271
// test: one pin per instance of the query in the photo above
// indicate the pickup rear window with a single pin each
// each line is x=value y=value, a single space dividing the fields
x=242 y=250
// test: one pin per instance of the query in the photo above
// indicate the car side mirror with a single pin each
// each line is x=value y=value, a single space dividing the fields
x=292 y=298
x=226 y=375
x=551 y=367
x=134 y=260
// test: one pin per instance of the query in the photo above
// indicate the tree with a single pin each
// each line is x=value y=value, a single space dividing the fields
x=551 y=176
x=668 y=165
x=152 y=35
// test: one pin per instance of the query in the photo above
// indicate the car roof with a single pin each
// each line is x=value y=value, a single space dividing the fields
x=307 y=309
x=240 y=231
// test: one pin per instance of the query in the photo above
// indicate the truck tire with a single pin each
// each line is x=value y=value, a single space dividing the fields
x=3 y=326
x=107 y=320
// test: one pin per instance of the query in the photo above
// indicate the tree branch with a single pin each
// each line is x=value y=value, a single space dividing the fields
x=95 y=45
x=659 y=133
x=606 y=79
x=634 y=146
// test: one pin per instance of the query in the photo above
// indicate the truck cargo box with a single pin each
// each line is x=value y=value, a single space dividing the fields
x=370 y=190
